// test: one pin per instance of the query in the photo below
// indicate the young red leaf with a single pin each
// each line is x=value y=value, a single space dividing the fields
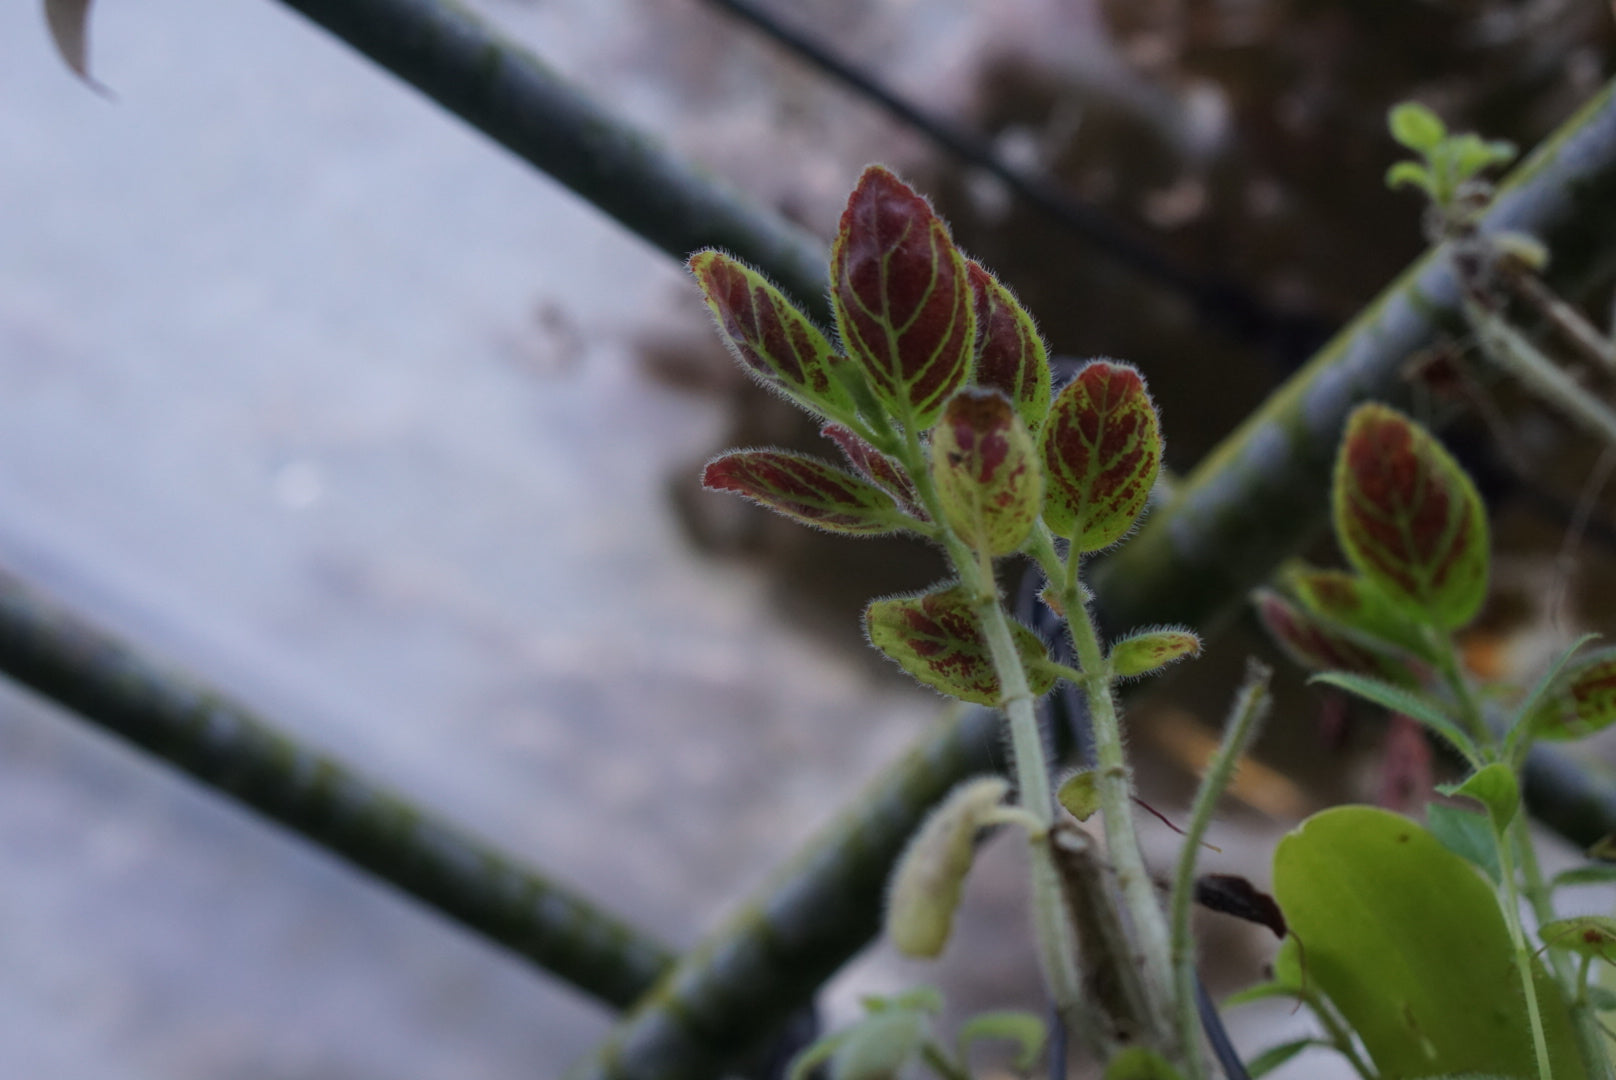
x=986 y=471
x=902 y=297
x=1354 y=602
x=1316 y=645
x=1142 y=653
x=936 y=638
x=1409 y=519
x=1102 y=449
x=1583 y=702
x=811 y=491
x=771 y=338
x=876 y=466
x=1010 y=353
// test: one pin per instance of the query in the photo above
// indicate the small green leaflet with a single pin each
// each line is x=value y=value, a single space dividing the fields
x=1079 y=795
x=1585 y=935
x=1467 y=835
x=1495 y=788
x=935 y=637
x=1151 y=650
x=1410 y=705
x=1275 y=1056
x=1024 y=1029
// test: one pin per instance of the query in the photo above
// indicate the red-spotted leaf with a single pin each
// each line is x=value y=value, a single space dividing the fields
x=1102 y=449
x=1354 y=602
x=1318 y=646
x=809 y=490
x=1584 y=935
x=1409 y=519
x=875 y=465
x=1582 y=702
x=773 y=340
x=902 y=297
x=1010 y=354
x=1142 y=653
x=986 y=470
x=936 y=638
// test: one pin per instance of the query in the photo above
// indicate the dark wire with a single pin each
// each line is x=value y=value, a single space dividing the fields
x=1219 y=303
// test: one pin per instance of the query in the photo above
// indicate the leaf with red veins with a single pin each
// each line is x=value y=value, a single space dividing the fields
x=876 y=466
x=1583 y=701
x=1354 y=602
x=1409 y=519
x=1010 y=353
x=772 y=339
x=1151 y=650
x=985 y=466
x=903 y=302
x=1102 y=450
x=936 y=637
x=806 y=489
x=1317 y=646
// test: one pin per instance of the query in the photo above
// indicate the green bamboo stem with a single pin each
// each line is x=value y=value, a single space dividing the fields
x=235 y=752
x=1250 y=706
x=1256 y=500
x=455 y=57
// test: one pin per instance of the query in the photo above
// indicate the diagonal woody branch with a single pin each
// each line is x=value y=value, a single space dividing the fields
x=1256 y=499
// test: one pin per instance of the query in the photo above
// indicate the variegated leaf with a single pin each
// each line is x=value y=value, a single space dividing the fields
x=986 y=470
x=1409 y=519
x=1354 y=602
x=903 y=301
x=1102 y=450
x=876 y=466
x=936 y=637
x=811 y=491
x=1142 y=653
x=1010 y=354
x=771 y=338
x=1582 y=702
x=1317 y=646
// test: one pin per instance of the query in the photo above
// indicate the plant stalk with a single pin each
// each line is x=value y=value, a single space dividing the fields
x=1523 y=955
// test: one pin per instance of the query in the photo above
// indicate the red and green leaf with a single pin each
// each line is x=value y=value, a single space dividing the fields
x=986 y=470
x=1409 y=519
x=1010 y=354
x=876 y=466
x=808 y=490
x=937 y=638
x=1354 y=602
x=1142 y=653
x=1318 y=646
x=1102 y=450
x=1582 y=702
x=903 y=301
x=771 y=338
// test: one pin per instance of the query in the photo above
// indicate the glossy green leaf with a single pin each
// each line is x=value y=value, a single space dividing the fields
x=808 y=490
x=1416 y=126
x=772 y=339
x=903 y=300
x=1353 y=603
x=1408 y=942
x=1102 y=451
x=1582 y=701
x=1275 y=1056
x=931 y=872
x=1138 y=1063
x=935 y=637
x=1468 y=155
x=1011 y=356
x=1467 y=835
x=1079 y=794
x=1409 y=519
x=1024 y=1029
x=1495 y=788
x=1413 y=706
x=1152 y=650
x=1584 y=935
x=987 y=473
x=876 y=467
x=1318 y=645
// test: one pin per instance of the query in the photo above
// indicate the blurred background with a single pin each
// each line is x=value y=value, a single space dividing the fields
x=314 y=391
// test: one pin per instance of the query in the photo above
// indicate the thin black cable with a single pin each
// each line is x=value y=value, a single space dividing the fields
x=1222 y=304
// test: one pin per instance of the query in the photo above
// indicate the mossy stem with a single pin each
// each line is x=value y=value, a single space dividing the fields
x=1114 y=784
x=1250 y=705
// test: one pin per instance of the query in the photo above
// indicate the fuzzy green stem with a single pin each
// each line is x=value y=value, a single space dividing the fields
x=1250 y=705
x=1511 y=903
x=1114 y=785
